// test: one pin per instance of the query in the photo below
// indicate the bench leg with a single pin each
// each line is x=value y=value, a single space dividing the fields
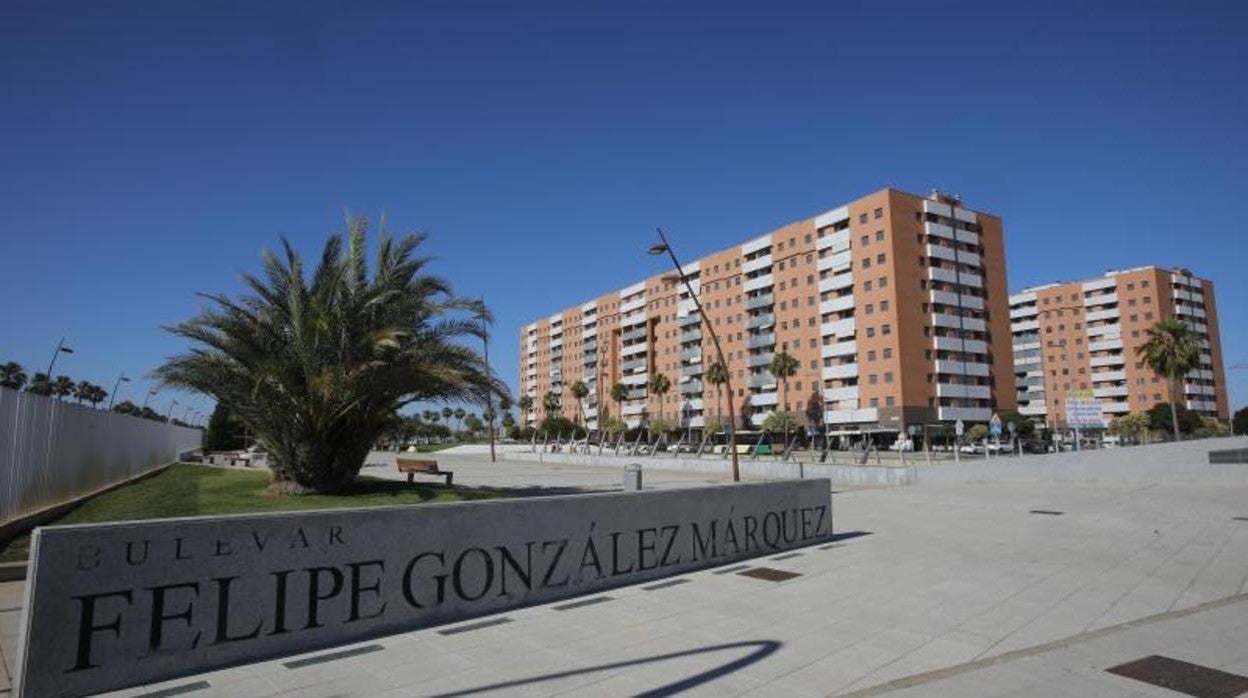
x=409 y=478
x=449 y=478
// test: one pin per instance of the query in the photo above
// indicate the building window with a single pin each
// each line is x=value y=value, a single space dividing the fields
x=886 y=329
x=888 y=377
x=879 y=213
x=866 y=262
x=888 y=400
x=883 y=306
x=883 y=282
x=879 y=258
x=888 y=352
x=871 y=355
x=879 y=235
x=872 y=379
x=870 y=331
x=864 y=241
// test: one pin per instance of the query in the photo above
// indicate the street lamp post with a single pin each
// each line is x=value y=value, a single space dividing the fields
x=664 y=247
x=150 y=393
x=60 y=349
x=112 y=397
x=169 y=413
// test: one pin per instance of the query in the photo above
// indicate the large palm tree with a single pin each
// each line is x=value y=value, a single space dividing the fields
x=12 y=375
x=1171 y=351
x=82 y=391
x=717 y=375
x=659 y=385
x=63 y=387
x=317 y=367
x=460 y=413
x=579 y=390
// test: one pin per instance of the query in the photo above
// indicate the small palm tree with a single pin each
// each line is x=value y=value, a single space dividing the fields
x=82 y=391
x=12 y=375
x=447 y=414
x=504 y=404
x=717 y=375
x=659 y=385
x=460 y=413
x=579 y=390
x=550 y=403
x=1171 y=351
x=526 y=406
x=97 y=395
x=783 y=366
x=619 y=393
x=63 y=387
x=317 y=365
x=40 y=385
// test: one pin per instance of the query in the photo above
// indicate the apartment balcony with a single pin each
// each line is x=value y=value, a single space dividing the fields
x=691 y=353
x=634 y=409
x=955 y=300
x=692 y=319
x=968 y=346
x=691 y=333
x=863 y=415
x=838 y=328
x=962 y=368
x=764 y=399
x=939 y=230
x=1112 y=391
x=1116 y=360
x=1032 y=410
x=1190 y=389
x=634 y=379
x=757 y=283
x=631 y=349
x=1021 y=360
x=1026 y=311
x=836 y=305
x=971 y=259
x=692 y=370
x=1109 y=344
x=693 y=387
x=1098 y=315
x=959 y=322
x=1202 y=405
x=1115 y=407
x=848 y=392
x=633 y=335
x=759 y=301
x=949 y=276
x=1109 y=376
x=632 y=365
x=589 y=332
x=1025 y=326
x=838 y=349
x=967 y=392
x=761 y=359
x=838 y=239
x=1100 y=299
x=756 y=341
x=837 y=262
x=849 y=370
x=966 y=414
x=686 y=306
x=753 y=265
x=836 y=282
x=760 y=320
x=763 y=380
x=634 y=304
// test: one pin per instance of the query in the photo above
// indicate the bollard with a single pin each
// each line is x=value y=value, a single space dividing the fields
x=632 y=477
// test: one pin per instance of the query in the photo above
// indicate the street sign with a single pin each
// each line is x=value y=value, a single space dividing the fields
x=959 y=428
x=994 y=424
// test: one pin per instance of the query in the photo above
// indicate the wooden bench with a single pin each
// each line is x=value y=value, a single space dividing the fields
x=411 y=466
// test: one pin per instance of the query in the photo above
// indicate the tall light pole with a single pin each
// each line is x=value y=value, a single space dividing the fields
x=483 y=317
x=169 y=414
x=60 y=349
x=112 y=397
x=660 y=248
x=150 y=393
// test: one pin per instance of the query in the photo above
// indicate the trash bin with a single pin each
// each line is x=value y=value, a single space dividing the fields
x=632 y=477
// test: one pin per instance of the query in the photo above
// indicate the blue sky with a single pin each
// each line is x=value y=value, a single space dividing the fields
x=151 y=150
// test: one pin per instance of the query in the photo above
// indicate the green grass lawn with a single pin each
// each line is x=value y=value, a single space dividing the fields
x=199 y=490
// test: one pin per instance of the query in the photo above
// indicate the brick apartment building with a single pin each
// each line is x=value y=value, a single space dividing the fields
x=1083 y=335
x=894 y=305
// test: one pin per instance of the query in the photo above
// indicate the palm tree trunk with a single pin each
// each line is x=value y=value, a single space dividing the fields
x=1174 y=412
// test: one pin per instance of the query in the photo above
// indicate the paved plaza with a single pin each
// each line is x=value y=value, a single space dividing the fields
x=958 y=590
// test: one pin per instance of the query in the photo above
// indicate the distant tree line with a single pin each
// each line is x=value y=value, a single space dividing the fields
x=66 y=389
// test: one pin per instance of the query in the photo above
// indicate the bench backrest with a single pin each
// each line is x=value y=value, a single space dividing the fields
x=414 y=465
